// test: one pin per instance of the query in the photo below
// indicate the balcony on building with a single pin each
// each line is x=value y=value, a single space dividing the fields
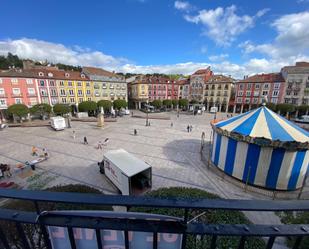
x=31 y=94
x=3 y=95
x=16 y=95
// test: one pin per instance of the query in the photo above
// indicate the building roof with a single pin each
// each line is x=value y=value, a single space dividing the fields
x=126 y=162
x=202 y=71
x=18 y=73
x=299 y=68
x=98 y=72
x=270 y=77
x=219 y=78
x=264 y=123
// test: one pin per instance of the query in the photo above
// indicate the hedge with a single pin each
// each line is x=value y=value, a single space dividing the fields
x=211 y=216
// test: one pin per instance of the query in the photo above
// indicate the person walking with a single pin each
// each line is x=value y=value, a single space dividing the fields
x=135 y=132
x=45 y=153
x=74 y=135
x=99 y=145
x=34 y=151
x=172 y=124
x=188 y=128
x=85 y=140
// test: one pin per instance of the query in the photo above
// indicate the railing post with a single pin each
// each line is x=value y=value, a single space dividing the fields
x=247 y=179
x=184 y=236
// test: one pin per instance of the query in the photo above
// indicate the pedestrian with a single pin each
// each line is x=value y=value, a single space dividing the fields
x=188 y=128
x=135 y=132
x=148 y=123
x=34 y=151
x=132 y=113
x=74 y=135
x=45 y=153
x=172 y=124
x=191 y=127
x=99 y=145
x=85 y=140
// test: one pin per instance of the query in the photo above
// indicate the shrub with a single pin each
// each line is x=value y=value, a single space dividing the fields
x=271 y=106
x=156 y=103
x=193 y=101
x=120 y=103
x=175 y=103
x=19 y=110
x=87 y=106
x=41 y=109
x=167 y=102
x=285 y=108
x=211 y=216
x=183 y=103
x=33 y=232
x=61 y=109
x=106 y=104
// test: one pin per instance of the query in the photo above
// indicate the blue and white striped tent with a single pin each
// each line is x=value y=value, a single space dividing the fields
x=262 y=147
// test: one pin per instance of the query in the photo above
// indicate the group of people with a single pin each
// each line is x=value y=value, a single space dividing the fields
x=189 y=128
x=34 y=151
x=5 y=170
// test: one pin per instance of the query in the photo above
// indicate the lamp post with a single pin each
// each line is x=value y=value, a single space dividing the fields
x=69 y=123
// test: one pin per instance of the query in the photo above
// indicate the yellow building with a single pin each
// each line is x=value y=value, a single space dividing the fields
x=138 y=91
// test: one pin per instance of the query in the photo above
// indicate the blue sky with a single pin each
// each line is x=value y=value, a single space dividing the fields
x=233 y=37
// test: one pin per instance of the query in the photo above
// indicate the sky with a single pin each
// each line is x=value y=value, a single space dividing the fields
x=235 y=38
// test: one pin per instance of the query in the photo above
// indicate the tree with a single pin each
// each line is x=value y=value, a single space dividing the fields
x=193 y=101
x=19 y=110
x=302 y=109
x=285 y=108
x=120 y=103
x=157 y=103
x=175 y=103
x=87 y=106
x=106 y=104
x=272 y=106
x=167 y=102
x=61 y=109
x=42 y=109
x=183 y=103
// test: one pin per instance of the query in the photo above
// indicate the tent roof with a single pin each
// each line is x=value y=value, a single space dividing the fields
x=264 y=123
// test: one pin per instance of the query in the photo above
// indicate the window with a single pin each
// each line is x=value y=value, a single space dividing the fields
x=88 y=92
x=274 y=100
x=294 y=101
x=241 y=86
x=72 y=100
x=248 y=93
x=255 y=101
x=89 y=99
x=264 y=93
x=18 y=101
x=96 y=93
x=51 y=83
x=0 y=81
x=277 y=86
x=14 y=80
x=257 y=86
x=266 y=85
x=71 y=92
x=111 y=86
x=82 y=75
x=54 y=101
x=240 y=93
x=53 y=92
x=2 y=102
x=142 y=86
x=290 y=86
x=275 y=93
x=307 y=83
x=62 y=92
x=104 y=85
x=70 y=83
x=239 y=100
x=80 y=100
x=2 y=92
x=247 y=101
x=249 y=86
x=67 y=75
x=79 y=83
x=61 y=83
x=288 y=93
x=16 y=91
x=41 y=82
x=80 y=92
x=31 y=91
x=87 y=84
x=63 y=100
x=29 y=81
x=44 y=92
x=256 y=93
x=295 y=93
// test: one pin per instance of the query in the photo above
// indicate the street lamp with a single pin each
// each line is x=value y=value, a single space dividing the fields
x=69 y=123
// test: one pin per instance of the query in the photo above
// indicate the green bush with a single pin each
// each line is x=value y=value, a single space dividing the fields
x=157 y=103
x=20 y=110
x=211 y=216
x=120 y=103
x=106 y=104
x=41 y=109
x=285 y=108
x=175 y=103
x=167 y=102
x=193 y=101
x=33 y=232
x=87 y=106
x=183 y=103
x=61 y=109
x=271 y=106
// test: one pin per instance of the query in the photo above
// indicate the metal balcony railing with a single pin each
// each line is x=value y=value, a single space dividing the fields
x=122 y=222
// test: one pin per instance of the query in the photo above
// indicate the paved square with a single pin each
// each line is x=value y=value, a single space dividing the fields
x=173 y=153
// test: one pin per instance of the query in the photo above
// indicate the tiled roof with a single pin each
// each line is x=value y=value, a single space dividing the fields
x=270 y=77
x=219 y=78
x=202 y=71
x=98 y=71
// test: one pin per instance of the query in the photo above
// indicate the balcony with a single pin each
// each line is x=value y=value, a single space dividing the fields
x=3 y=95
x=31 y=94
x=16 y=95
x=183 y=230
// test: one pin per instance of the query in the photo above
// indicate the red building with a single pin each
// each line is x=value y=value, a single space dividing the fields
x=252 y=91
x=18 y=87
x=162 y=88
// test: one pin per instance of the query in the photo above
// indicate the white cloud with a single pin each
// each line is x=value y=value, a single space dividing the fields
x=291 y=41
x=181 y=5
x=53 y=52
x=223 y=25
x=204 y=49
x=219 y=57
